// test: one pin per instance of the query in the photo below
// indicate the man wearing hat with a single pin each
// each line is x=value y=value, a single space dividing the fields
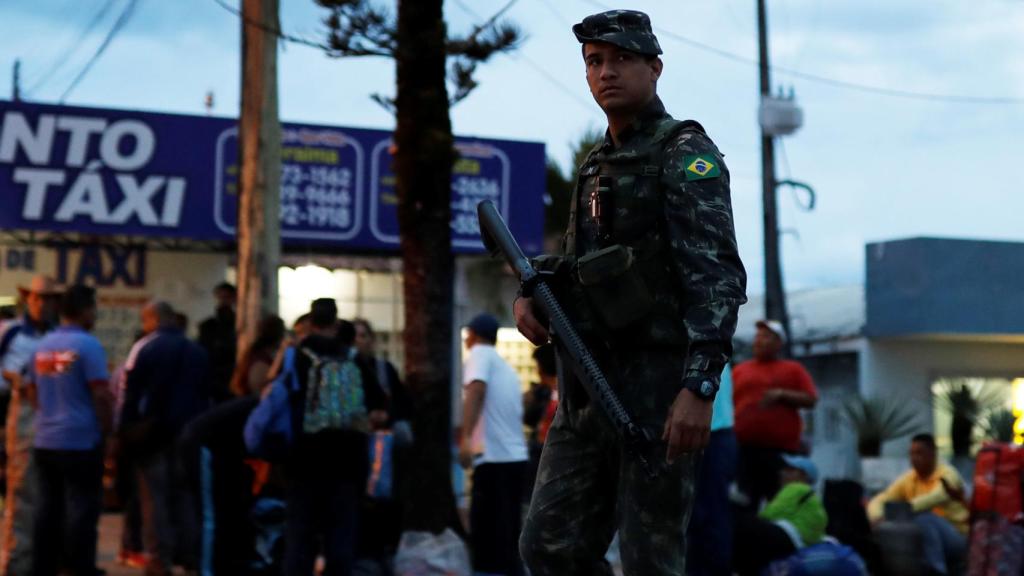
x=493 y=444
x=18 y=341
x=769 y=394
x=653 y=279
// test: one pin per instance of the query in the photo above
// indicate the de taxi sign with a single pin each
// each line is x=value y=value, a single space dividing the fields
x=160 y=175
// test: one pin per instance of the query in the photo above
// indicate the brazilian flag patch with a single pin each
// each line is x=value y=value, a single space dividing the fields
x=701 y=167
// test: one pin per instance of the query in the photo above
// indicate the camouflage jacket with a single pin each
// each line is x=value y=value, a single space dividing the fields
x=670 y=205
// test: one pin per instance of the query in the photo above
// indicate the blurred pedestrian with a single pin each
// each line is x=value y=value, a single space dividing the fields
x=380 y=521
x=133 y=551
x=301 y=327
x=253 y=373
x=217 y=461
x=539 y=407
x=218 y=337
x=793 y=519
x=493 y=445
x=18 y=341
x=68 y=379
x=335 y=406
x=709 y=548
x=769 y=394
x=167 y=386
x=935 y=492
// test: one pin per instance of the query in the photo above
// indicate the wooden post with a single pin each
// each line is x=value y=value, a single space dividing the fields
x=259 y=150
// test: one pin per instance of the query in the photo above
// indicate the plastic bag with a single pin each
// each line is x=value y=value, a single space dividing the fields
x=427 y=554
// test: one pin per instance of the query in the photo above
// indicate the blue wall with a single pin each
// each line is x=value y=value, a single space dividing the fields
x=927 y=286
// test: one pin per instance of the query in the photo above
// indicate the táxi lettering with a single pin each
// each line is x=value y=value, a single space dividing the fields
x=101 y=265
x=82 y=167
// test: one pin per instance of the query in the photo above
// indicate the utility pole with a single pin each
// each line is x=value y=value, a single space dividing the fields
x=259 y=151
x=16 y=82
x=775 y=294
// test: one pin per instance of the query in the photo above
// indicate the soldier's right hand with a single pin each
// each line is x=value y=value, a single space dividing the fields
x=527 y=323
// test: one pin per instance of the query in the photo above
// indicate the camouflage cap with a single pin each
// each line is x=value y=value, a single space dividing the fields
x=627 y=29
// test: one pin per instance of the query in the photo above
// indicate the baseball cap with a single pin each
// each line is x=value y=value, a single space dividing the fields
x=802 y=463
x=629 y=29
x=484 y=326
x=775 y=326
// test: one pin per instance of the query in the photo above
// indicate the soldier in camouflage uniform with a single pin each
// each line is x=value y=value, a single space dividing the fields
x=651 y=272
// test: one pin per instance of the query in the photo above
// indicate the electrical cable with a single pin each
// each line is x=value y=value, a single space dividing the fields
x=894 y=92
x=126 y=15
x=72 y=47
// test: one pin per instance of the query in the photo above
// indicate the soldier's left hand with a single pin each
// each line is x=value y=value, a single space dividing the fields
x=688 y=425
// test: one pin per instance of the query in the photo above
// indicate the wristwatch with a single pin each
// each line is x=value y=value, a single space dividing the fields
x=704 y=387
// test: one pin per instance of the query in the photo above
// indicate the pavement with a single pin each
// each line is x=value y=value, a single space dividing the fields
x=109 y=543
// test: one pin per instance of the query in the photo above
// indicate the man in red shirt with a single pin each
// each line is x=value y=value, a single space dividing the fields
x=768 y=395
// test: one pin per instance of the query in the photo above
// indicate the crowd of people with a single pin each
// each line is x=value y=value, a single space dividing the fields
x=167 y=425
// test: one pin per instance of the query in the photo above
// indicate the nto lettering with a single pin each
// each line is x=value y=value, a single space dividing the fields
x=92 y=144
x=123 y=144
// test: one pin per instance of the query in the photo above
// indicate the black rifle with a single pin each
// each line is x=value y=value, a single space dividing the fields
x=637 y=441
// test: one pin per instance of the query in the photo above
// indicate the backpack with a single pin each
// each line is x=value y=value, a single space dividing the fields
x=823 y=559
x=335 y=399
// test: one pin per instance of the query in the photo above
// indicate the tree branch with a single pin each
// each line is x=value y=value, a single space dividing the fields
x=358 y=28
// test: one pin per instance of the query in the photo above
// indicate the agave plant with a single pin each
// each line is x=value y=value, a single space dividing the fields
x=967 y=401
x=877 y=420
x=999 y=425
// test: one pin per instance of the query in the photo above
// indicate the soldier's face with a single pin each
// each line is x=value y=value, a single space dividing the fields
x=620 y=81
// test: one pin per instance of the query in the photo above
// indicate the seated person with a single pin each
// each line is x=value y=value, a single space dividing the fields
x=935 y=492
x=794 y=518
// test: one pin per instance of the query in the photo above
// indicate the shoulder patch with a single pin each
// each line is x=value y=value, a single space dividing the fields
x=701 y=167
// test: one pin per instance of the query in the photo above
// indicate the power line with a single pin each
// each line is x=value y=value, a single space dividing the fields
x=558 y=15
x=589 y=106
x=275 y=30
x=126 y=15
x=898 y=93
x=536 y=67
x=72 y=47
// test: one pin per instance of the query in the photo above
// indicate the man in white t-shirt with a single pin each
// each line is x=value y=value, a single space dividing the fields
x=493 y=443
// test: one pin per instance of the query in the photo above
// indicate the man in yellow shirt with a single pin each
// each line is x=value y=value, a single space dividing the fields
x=935 y=492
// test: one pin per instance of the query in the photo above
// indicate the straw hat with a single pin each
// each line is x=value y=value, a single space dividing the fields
x=42 y=285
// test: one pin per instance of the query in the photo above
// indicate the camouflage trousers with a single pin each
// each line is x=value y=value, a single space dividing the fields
x=22 y=485
x=587 y=487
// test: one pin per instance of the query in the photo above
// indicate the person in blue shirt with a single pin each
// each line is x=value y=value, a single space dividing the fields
x=67 y=381
x=18 y=340
x=709 y=551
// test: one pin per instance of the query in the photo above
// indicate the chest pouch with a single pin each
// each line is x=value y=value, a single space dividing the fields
x=613 y=286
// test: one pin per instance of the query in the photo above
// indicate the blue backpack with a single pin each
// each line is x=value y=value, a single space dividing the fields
x=268 y=430
x=822 y=559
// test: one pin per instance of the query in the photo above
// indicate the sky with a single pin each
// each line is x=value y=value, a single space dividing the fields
x=883 y=167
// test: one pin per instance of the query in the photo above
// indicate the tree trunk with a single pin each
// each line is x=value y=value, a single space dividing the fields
x=259 y=148
x=423 y=164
